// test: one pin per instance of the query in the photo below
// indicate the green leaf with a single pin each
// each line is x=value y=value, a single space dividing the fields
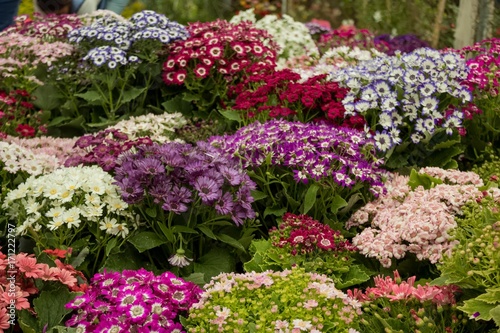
x=177 y=104
x=213 y=263
x=27 y=322
x=151 y=212
x=207 y=231
x=146 y=240
x=492 y=296
x=337 y=203
x=495 y=315
x=258 y=195
x=421 y=179
x=115 y=261
x=196 y=278
x=231 y=115
x=131 y=94
x=183 y=228
x=357 y=274
x=50 y=306
x=310 y=198
x=47 y=97
x=231 y=241
x=110 y=246
x=274 y=211
x=80 y=258
x=91 y=96
x=58 y=120
x=167 y=232
x=473 y=306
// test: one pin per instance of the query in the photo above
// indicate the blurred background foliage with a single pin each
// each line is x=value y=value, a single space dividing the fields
x=396 y=17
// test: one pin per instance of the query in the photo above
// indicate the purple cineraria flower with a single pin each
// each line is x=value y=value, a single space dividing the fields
x=310 y=151
x=207 y=188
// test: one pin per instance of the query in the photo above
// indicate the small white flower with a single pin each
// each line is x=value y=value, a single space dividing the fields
x=179 y=259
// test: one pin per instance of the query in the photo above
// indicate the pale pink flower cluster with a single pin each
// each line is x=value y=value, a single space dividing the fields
x=60 y=148
x=404 y=221
x=397 y=290
x=16 y=158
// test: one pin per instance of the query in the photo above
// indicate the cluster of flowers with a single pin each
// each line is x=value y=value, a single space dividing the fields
x=28 y=274
x=218 y=48
x=133 y=301
x=407 y=96
x=309 y=150
x=159 y=128
x=18 y=115
x=103 y=148
x=401 y=43
x=483 y=67
x=109 y=37
x=288 y=301
x=68 y=200
x=301 y=234
x=413 y=307
x=293 y=37
x=48 y=27
x=316 y=29
x=60 y=148
x=16 y=158
x=431 y=212
x=280 y=94
x=176 y=175
x=346 y=35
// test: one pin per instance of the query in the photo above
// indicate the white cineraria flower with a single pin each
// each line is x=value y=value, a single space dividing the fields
x=17 y=158
x=179 y=259
x=68 y=198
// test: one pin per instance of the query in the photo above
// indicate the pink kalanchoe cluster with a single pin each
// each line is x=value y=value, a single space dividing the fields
x=133 y=301
x=104 y=148
x=419 y=221
x=218 y=48
x=484 y=67
x=398 y=290
x=27 y=271
x=50 y=26
x=302 y=234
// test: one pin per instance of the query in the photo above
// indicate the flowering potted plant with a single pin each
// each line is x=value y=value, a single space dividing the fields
x=195 y=203
x=34 y=293
x=306 y=168
x=414 y=106
x=304 y=242
x=133 y=301
x=288 y=301
x=76 y=207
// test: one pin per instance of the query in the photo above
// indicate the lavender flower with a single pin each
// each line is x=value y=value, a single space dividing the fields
x=175 y=175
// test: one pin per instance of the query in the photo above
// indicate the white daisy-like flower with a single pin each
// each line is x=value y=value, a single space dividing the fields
x=179 y=259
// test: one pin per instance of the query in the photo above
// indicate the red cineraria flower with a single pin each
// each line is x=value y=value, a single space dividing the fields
x=25 y=130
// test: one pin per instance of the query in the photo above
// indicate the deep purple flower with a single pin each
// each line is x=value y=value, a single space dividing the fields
x=207 y=189
x=150 y=166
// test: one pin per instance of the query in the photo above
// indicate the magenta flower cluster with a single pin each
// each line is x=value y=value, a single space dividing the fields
x=48 y=27
x=177 y=175
x=133 y=301
x=484 y=66
x=103 y=149
x=312 y=151
x=218 y=47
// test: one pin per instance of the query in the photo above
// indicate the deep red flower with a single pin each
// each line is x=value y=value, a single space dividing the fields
x=25 y=130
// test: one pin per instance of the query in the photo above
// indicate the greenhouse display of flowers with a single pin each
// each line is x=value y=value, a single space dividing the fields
x=245 y=175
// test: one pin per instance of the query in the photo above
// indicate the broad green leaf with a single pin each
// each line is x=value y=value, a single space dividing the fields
x=80 y=258
x=27 y=322
x=167 y=232
x=274 y=211
x=258 y=195
x=58 y=120
x=421 y=179
x=50 y=306
x=196 y=278
x=474 y=306
x=207 y=231
x=231 y=241
x=131 y=94
x=231 y=115
x=115 y=261
x=151 y=212
x=213 y=263
x=177 y=104
x=47 y=97
x=310 y=198
x=184 y=229
x=492 y=296
x=357 y=274
x=91 y=96
x=110 y=246
x=495 y=315
x=146 y=240
x=337 y=203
